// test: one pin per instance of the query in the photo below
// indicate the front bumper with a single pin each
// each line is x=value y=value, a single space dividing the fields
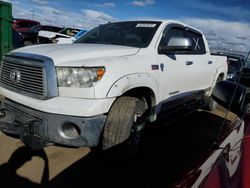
x=39 y=129
x=80 y=107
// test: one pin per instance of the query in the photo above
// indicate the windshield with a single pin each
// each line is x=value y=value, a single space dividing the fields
x=131 y=33
x=69 y=31
x=35 y=28
x=80 y=33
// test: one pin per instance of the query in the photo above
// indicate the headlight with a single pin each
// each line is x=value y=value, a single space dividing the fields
x=78 y=77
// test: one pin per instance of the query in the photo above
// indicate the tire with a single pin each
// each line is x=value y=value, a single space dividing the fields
x=124 y=123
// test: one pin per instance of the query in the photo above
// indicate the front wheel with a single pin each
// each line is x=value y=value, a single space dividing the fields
x=124 y=123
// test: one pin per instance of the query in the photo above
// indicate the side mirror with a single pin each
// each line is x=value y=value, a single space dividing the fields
x=230 y=95
x=176 y=44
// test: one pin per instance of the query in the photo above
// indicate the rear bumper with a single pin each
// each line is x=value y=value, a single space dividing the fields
x=38 y=129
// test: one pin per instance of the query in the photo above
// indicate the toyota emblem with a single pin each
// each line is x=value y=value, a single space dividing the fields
x=15 y=76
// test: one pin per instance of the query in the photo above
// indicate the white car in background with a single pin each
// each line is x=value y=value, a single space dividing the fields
x=63 y=40
x=45 y=37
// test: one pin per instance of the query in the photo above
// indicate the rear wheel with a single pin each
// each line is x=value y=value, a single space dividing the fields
x=125 y=121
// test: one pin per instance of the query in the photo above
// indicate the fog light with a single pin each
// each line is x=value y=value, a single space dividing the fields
x=71 y=130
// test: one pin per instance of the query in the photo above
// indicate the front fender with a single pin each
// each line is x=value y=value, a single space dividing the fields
x=132 y=81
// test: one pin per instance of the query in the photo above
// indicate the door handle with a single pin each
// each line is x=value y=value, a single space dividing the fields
x=189 y=62
x=209 y=62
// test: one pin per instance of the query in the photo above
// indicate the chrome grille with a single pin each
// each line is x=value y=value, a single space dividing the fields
x=31 y=79
x=29 y=74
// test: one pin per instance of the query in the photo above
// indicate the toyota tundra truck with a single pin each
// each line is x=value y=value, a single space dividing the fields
x=101 y=89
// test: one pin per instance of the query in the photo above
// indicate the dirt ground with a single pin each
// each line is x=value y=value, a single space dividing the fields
x=59 y=158
x=32 y=169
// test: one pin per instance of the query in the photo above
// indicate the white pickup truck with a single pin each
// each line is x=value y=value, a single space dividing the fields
x=105 y=86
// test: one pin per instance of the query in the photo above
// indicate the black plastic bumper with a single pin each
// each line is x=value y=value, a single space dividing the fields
x=39 y=129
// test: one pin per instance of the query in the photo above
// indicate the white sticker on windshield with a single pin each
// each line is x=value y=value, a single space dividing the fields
x=145 y=25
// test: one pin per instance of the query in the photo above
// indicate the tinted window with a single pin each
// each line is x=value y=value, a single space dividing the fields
x=48 y=28
x=36 y=28
x=55 y=29
x=172 y=32
x=80 y=33
x=198 y=46
x=133 y=33
x=32 y=24
x=22 y=25
x=68 y=31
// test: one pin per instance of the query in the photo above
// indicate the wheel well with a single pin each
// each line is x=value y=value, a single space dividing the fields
x=145 y=94
x=221 y=76
x=148 y=96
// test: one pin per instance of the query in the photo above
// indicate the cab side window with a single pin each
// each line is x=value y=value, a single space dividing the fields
x=169 y=33
x=198 y=46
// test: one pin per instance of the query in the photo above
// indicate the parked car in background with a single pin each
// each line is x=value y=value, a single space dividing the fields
x=64 y=40
x=30 y=36
x=45 y=37
x=235 y=63
x=17 y=39
x=23 y=25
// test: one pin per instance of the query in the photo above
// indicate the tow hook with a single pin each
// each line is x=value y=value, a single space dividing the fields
x=2 y=114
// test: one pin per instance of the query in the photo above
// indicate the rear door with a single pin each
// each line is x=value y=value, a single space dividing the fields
x=203 y=69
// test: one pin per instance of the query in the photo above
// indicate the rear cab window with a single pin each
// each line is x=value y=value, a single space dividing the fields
x=198 y=46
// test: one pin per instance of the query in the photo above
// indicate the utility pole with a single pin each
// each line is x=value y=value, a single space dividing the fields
x=33 y=14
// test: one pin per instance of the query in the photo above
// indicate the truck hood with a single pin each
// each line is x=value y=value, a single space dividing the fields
x=63 y=54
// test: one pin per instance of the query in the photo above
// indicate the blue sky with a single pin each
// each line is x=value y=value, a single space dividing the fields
x=225 y=22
